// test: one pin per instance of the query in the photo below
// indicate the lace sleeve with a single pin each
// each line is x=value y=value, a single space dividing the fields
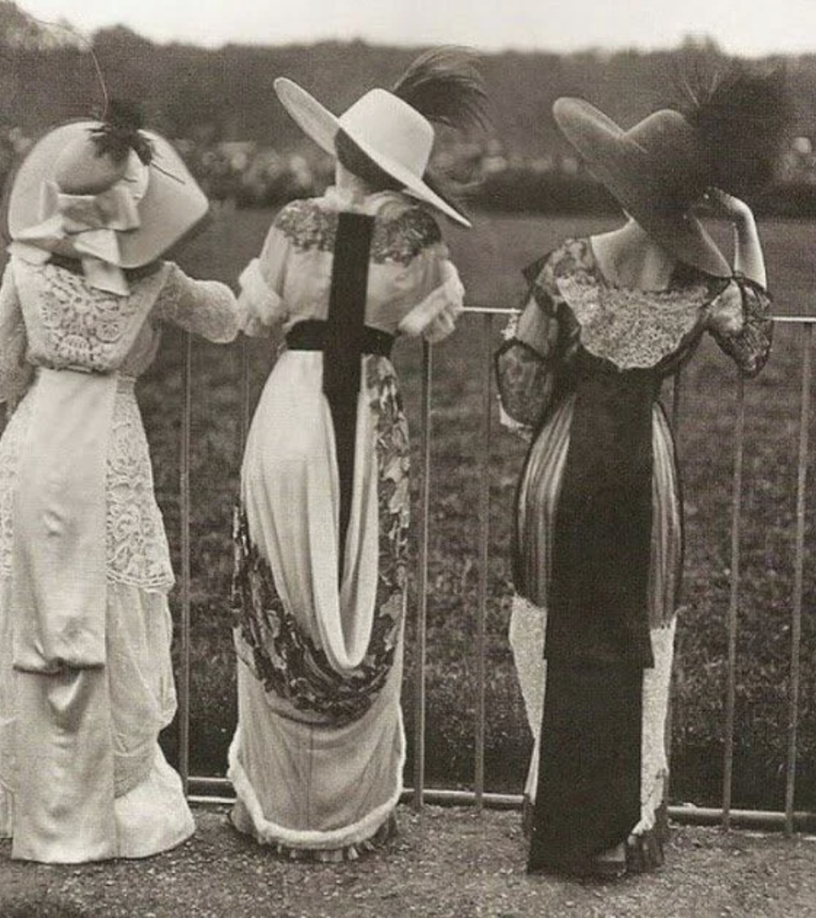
x=739 y=318
x=15 y=371
x=206 y=308
x=524 y=362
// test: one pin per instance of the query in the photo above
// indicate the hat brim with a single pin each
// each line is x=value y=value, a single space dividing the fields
x=317 y=122
x=171 y=208
x=625 y=169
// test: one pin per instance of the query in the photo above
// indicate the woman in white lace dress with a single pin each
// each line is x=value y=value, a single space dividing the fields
x=322 y=541
x=86 y=682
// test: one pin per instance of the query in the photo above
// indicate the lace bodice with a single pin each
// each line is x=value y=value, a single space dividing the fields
x=574 y=307
x=575 y=323
x=50 y=317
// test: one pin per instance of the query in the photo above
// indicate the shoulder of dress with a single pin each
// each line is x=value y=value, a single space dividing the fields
x=572 y=257
x=307 y=225
x=417 y=222
x=402 y=237
x=300 y=207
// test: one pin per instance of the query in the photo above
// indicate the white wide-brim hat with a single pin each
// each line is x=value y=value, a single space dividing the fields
x=171 y=206
x=389 y=131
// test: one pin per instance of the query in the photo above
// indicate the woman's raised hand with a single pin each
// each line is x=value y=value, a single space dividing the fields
x=748 y=257
x=718 y=203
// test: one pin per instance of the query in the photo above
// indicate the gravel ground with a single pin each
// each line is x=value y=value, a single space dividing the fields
x=445 y=863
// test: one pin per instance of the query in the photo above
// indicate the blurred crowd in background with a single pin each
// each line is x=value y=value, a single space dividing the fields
x=250 y=174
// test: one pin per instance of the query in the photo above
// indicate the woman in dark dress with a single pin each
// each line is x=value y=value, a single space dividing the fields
x=598 y=548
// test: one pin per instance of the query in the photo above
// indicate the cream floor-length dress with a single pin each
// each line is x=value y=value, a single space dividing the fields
x=86 y=686
x=318 y=755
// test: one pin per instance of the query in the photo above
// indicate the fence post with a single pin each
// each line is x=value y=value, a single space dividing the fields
x=422 y=580
x=676 y=407
x=184 y=512
x=484 y=556
x=733 y=603
x=798 y=579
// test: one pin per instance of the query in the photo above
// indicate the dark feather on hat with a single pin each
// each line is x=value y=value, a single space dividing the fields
x=445 y=85
x=120 y=132
x=743 y=116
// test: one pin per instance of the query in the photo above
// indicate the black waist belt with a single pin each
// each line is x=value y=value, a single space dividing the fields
x=312 y=335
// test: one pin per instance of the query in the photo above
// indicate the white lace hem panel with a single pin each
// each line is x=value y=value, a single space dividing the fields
x=528 y=624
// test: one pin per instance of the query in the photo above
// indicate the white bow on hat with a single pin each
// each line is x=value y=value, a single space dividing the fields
x=84 y=226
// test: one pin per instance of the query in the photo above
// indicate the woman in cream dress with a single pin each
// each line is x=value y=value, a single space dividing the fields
x=86 y=682
x=322 y=535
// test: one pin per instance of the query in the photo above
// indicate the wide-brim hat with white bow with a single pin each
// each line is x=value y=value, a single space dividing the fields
x=657 y=170
x=170 y=203
x=392 y=133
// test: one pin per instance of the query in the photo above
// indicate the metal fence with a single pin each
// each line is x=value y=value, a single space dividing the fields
x=211 y=789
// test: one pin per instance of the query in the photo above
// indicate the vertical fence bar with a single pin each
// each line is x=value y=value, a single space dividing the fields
x=184 y=508
x=243 y=417
x=422 y=580
x=798 y=579
x=484 y=556
x=676 y=407
x=733 y=603
x=677 y=400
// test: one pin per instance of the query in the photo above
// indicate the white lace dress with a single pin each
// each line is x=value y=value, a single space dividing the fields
x=82 y=776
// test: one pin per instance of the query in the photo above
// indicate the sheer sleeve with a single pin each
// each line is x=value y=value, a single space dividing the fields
x=204 y=307
x=260 y=303
x=15 y=371
x=524 y=362
x=739 y=318
x=434 y=316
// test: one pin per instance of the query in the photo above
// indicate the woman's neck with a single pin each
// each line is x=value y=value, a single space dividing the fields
x=630 y=257
x=349 y=183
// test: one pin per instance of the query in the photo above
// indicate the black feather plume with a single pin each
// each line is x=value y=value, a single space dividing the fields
x=445 y=85
x=743 y=117
x=120 y=133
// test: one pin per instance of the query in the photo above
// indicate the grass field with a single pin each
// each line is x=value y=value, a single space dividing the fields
x=490 y=258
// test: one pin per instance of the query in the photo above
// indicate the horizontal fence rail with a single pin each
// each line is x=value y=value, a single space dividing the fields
x=214 y=789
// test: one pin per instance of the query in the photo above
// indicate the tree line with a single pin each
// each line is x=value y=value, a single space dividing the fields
x=210 y=98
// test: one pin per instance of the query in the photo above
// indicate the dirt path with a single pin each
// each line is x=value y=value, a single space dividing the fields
x=446 y=863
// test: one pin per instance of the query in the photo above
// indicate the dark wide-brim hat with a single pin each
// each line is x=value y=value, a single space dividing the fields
x=656 y=170
x=172 y=204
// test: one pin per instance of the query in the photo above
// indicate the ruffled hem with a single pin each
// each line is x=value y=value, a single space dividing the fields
x=248 y=817
x=240 y=820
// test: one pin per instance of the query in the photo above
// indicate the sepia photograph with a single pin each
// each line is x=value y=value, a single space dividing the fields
x=407 y=466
